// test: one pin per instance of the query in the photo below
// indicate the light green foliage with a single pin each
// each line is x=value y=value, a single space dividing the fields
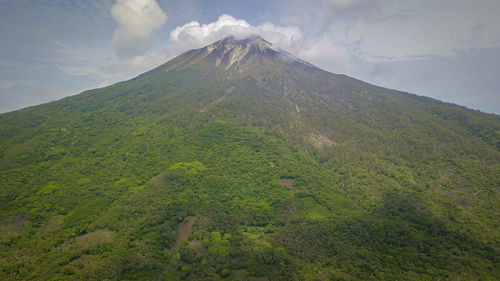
x=83 y=181
x=308 y=207
x=191 y=168
x=47 y=189
x=137 y=189
x=122 y=182
x=217 y=245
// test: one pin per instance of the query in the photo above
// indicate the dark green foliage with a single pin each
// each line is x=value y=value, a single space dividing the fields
x=274 y=170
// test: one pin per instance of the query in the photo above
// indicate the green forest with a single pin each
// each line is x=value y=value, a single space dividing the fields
x=282 y=172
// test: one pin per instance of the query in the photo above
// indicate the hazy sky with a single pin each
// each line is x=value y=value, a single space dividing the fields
x=446 y=49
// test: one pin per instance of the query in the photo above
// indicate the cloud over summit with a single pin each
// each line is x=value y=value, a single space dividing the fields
x=194 y=35
x=290 y=38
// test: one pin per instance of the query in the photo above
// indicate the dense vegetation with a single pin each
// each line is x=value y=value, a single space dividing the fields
x=278 y=172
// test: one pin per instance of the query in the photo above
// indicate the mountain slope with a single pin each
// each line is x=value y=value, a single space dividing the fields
x=284 y=172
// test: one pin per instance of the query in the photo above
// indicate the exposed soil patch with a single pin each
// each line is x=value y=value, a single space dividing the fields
x=183 y=231
x=12 y=228
x=287 y=182
x=464 y=201
x=195 y=245
x=290 y=184
x=319 y=140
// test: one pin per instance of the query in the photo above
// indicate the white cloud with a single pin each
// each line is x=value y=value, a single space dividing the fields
x=393 y=30
x=137 y=20
x=193 y=35
x=401 y=30
x=324 y=52
x=290 y=38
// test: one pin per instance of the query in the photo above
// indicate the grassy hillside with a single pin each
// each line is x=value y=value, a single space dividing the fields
x=268 y=169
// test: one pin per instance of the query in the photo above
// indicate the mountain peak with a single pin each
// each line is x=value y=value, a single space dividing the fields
x=236 y=54
x=230 y=50
x=252 y=40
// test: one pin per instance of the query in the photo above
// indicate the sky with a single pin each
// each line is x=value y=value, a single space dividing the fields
x=447 y=49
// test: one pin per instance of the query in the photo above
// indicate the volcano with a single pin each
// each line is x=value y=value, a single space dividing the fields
x=240 y=161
